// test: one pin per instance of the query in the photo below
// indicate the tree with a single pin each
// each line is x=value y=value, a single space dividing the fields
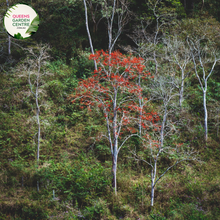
x=160 y=138
x=148 y=36
x=88 y=32
x=117 y=9
x=114 y=12
x=113 y=91
x=203 y=54
x=32 y=68
x=178 y=54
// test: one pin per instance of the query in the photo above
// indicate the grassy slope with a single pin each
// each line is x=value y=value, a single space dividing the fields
x=79 y=171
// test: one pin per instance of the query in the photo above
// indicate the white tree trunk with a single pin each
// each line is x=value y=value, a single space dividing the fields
x=88 y=32
x=9 y=45
x=206 y=115
x=162 y=127
x=115 y=147
x=140 y=106
x=9 y=38
x=38 y=138
x=38 y=122
x=110 y=25
x=38 y=112
x=153 y=176
x=114 y=172
x=152 y=195
x=181 y=89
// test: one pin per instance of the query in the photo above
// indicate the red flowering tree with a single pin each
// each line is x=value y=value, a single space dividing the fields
x=114 y=90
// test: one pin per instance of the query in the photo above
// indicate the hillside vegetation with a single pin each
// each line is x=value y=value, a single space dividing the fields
x=72 y=177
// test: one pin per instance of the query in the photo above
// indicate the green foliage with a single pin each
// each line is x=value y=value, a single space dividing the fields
x=34 y=213
x=187 y=211
x=157 y=217
x=80 y=180
x=24 y=210
x=82 y=64
x=97 y=211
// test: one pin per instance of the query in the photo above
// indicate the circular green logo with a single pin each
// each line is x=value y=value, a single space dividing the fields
x=21 y=21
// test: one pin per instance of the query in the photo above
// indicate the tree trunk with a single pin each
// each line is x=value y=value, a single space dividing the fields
x=9 y=45
x=140 y=105
x=114 y=171
x=38 y=142
x=38 y=123
x=110 y=25
x=152 y=195
x=38 y=120
x=206 y=115
x=181 y=90
x=162 y=127
x=89 y=36
x=153 y=176
x=156 y=64
x=9 y=38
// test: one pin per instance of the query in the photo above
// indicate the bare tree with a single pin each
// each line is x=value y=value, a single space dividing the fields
x=178 y=54
x=94 y=7
x=148 y=42
x=149 y=34
x=118 y=9
x=159 y=140
x=203 y=54
x=33 y=69
x=113 y=11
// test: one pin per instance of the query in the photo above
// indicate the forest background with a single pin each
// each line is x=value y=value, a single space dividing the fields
x=55 y=160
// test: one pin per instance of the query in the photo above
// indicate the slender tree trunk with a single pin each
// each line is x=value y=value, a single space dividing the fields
x=140 y=106
x=181 y=90
x=110 y=29
x=206 y=115
x=9 y=45
x=88 y=32
x=153 y=176
x=38 y=139
x=38 y=119
x=115 y=145
x=162 y=127
x=38 y=114
x=110 y=25
x=9 y=38
x=156 y=64
x=140 y=116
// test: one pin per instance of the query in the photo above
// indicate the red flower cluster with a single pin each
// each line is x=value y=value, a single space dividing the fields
x=114 y=90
